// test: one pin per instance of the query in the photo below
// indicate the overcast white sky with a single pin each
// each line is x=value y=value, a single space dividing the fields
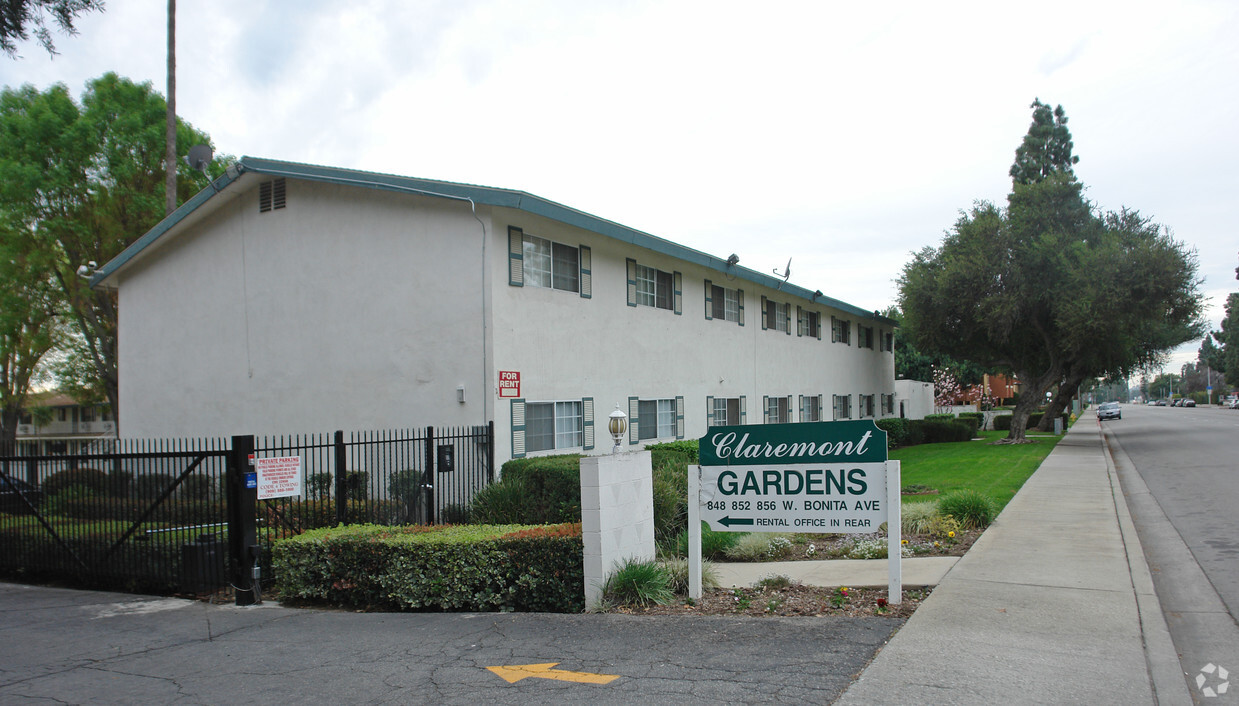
x=842 y=135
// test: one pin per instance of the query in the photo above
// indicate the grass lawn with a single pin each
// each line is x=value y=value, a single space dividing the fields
x=995 y=470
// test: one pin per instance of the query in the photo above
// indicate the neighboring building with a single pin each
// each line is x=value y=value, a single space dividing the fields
x=295 y=298
x=55 y=424
x=914 y=398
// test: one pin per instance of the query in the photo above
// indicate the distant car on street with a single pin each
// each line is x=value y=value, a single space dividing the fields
x=1161 y=403
x=1109 y=410
x=1189 y=403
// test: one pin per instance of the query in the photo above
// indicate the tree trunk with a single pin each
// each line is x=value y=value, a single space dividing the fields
x=1067 y=390
x=9 y=418
x=1032 y=391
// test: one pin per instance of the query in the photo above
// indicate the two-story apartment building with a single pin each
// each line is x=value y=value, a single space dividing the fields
x=291 y=297
x=53 y=423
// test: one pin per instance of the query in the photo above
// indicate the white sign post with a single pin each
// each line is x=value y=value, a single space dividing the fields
x=278 y=477
x=820 y=477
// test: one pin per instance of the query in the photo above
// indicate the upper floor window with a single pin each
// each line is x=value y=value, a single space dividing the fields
x=808 y=323
x=865 y=336
x=724 y=304
x=648 y=286
x=539 y=262
x=551 y=265
x=776 y=316
x=840 y=331
x=888 y=341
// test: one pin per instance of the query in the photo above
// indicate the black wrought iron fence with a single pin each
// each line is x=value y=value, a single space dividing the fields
x=155 y=515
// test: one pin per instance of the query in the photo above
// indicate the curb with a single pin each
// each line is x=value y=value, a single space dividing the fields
x=1165 y=670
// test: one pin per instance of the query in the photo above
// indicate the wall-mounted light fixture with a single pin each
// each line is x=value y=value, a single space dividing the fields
x=617 y=424
x=732 y=260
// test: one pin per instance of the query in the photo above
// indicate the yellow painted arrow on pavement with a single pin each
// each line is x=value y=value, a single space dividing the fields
x=513 y=673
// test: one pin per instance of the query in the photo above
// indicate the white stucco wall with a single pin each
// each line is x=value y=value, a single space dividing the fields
x=567 y=347
x=348 y=309
x=357 y=309
x=914 y=398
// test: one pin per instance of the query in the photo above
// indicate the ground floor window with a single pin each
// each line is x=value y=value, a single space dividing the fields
x=777 y=410
x=810 y=408
x=843 y=406
x=656 y=419
x=725 y=411
x=553 y=425
x=866 y=405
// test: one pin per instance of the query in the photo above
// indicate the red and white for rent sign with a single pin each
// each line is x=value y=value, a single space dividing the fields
x=509 y=383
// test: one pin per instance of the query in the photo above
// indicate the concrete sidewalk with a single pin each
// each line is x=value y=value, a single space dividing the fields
x=1053 y=604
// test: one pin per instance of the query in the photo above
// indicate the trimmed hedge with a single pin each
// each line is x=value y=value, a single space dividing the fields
x=460 y=568
x=897 y=432
x=941 y=432
x=547 y=490
x=532 y=491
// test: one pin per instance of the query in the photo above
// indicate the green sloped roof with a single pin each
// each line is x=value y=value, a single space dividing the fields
x=474 y=194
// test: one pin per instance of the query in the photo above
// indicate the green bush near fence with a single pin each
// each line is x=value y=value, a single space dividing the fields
x=462 y=567
x=547 y=489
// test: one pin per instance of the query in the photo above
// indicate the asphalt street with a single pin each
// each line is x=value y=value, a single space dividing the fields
x=1178 y=471
x=63 y=646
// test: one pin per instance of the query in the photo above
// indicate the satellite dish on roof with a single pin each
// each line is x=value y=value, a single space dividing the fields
x=199 y=157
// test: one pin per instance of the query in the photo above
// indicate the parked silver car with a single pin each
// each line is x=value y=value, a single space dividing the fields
x=1109 y=410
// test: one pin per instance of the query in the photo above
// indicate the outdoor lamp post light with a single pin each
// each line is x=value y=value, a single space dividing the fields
x=617 y=424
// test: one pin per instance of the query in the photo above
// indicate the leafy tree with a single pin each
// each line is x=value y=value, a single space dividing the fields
x=83 y=182
x=29 y=327
x=912 y=364
x=1046 y=149
x=19 y=18
x=1043 y=287
x=1135 y=296
x=1224 y=357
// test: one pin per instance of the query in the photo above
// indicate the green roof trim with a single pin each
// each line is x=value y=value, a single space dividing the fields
x=485 y=195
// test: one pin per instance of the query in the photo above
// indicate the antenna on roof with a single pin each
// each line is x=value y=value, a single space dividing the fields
x=787 y=272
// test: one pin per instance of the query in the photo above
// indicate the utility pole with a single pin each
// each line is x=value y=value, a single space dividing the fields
x=170 y=151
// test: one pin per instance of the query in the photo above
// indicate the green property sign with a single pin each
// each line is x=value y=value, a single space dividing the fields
x=812 y=477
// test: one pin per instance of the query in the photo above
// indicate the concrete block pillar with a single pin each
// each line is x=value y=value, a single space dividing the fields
x=617 y=515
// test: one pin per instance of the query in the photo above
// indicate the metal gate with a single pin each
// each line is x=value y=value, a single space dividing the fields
x=176 y=516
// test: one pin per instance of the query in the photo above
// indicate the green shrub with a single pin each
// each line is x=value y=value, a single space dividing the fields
x=670 y=485
x=971 y=508
x=938 y=432
x=915 y=518
x=92 y=479
x=357 y=485
x=462 y=567
x=896 y=429
x=1002 y=422
x=500 y=503
x=758 y=546
x=454 y=514
x=120 y=482
x=774 y=582
x=677 y=574
x=972 y=419
x=687 y=447
x=549 y=492
x=638 y=583
x=149 y=486
x=944 y=417
x=405 y=485
x=714 y=545
x=319 y=485
x=916 y=432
